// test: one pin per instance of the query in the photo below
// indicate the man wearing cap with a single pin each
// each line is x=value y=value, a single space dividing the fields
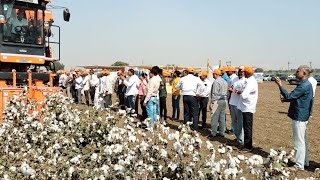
x=107 y=89
x=86 y=86
x=224 y=75
x=236 y=115
x=204 y=97
x=299 y=111
x=233 y=77
x=98 y=94
x=218 y=104
x=247 y=105
x=93 y=83
x=78 y=87
x=190 y=86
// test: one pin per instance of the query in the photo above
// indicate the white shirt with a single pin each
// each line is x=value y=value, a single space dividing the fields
x=63 y=80
x=232 y=78
x=249 y=96
x=207 y=88
x=94 y=80
x=238 y=85
x=86 y=83
x=99 y=86
x=108 y=85
x=190 y=85
x=78 y=84
x=132 y=83
x=314 y=83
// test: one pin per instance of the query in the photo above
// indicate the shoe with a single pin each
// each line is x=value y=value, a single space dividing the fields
x=245 y=150
x=211 y=136
x=295 y=168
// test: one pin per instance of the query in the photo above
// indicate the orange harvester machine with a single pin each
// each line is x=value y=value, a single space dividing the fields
x=26 y=60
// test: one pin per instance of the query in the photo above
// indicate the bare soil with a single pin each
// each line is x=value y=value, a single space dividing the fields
x=271 y=126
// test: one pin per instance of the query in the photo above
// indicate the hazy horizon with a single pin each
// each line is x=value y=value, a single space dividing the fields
x=265 y=34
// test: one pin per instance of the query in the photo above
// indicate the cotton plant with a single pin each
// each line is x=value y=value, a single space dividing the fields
x=58 y=140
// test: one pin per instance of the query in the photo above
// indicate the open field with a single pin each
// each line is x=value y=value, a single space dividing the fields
x=271 y=126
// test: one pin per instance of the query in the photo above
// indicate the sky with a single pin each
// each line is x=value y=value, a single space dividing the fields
x=266 y=34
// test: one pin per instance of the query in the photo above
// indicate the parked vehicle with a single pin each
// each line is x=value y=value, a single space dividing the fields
x=292 y=76
x=267 y=77
x=293 y=81
x=281 y=76
x=259 y=77
x=317 y=77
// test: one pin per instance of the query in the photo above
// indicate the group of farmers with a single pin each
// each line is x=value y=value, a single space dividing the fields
x=232 y=88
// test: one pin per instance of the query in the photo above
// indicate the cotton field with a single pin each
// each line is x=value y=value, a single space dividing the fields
x=62 y=141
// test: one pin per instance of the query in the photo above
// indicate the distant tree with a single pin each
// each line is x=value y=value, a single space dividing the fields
x=258 y=70
x=120 y=63
x=58 y=65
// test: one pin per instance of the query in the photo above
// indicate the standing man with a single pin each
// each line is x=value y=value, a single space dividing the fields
x=233 y=77
x=69 y=84
x=142 y=94
x=163 y=96
x=131 y=82
x=204 y=97
x=151 y=100
x=247 y=105
x=189 y=86
x=93 y=84
x=86 y=87
x=120 y=88
x=218 y=103
x=79 y=86
x=236 y=115
x=299 y=111
x=107 y=89
x=176 y=96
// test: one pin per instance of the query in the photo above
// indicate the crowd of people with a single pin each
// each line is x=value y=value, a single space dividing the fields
x=233 y=89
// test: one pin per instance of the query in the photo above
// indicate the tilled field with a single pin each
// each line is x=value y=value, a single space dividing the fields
x=78 y=142
x=272 y=127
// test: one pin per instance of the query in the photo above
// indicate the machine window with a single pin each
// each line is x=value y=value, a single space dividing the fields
x=23 y=25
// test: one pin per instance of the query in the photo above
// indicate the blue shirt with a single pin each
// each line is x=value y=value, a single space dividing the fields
x=226 y=78
x=300 y=101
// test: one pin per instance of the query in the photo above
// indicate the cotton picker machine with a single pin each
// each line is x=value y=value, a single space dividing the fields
x=26 y=58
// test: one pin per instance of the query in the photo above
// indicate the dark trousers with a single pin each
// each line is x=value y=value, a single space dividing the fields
x=143 y=108
x=121 y=99
x=247 y=128
x=191 y=110
x=130 y=101
x=87 y=96
x=74 y=94
x=175 y=106
x=136 y=104
x=163 y=108
x=107 y=100
x=92 y=91
x=203 y=102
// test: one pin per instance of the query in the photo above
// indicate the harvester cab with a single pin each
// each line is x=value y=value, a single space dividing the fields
x=26 y=58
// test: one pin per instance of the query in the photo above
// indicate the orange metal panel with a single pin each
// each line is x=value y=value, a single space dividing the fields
x=22 y=59
x=48 y=16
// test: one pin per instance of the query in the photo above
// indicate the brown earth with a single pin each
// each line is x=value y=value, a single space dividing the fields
x=271 y=126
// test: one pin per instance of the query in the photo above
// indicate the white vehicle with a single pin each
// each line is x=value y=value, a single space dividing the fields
x=292 y=76
x=259 y=77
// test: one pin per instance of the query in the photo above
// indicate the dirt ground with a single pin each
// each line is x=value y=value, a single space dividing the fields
x=271 y=126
